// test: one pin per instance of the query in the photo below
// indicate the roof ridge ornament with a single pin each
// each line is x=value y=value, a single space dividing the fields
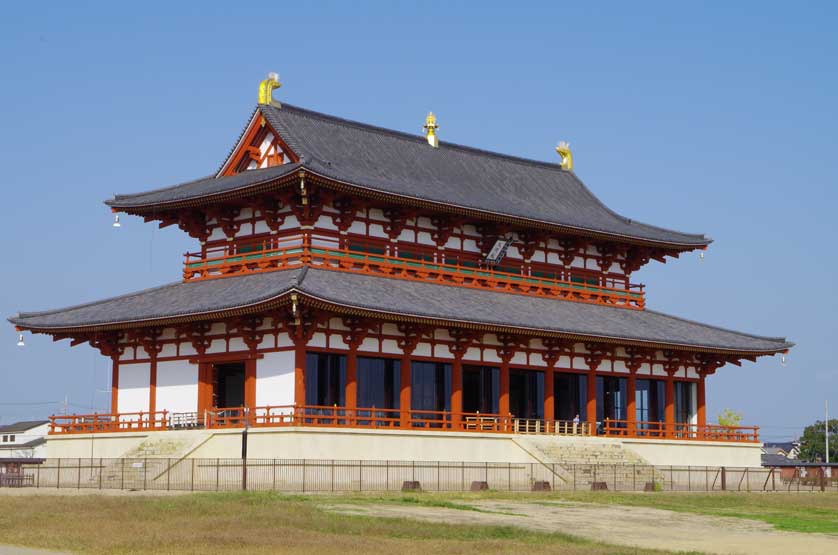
x=563 y=149
x=266 y=90
x=430 y=128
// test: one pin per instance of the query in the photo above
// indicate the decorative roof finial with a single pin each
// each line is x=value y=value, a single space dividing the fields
x=430 y=128
x=567 y=157
x=266 y=90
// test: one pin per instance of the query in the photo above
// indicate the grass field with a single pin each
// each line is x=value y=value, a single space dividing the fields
x=261 y=523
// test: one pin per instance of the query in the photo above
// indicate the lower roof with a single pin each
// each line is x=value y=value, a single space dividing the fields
x=396 y=299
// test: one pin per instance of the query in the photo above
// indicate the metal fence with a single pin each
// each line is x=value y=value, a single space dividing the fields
x=289 y=475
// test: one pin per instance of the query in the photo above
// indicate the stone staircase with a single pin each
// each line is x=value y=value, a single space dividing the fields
x=147 y=465
x=581 y=462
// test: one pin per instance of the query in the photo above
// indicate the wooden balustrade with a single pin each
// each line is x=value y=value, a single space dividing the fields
x=113 y=422
x=294 y=251
x=342 y=417
x=679 y=430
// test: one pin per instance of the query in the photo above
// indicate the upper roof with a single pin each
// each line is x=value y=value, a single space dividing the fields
x=22 y=426
x=403 y=165
x=402 y=299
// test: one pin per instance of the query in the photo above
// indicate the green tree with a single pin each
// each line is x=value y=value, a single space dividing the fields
x=730 y=417
x=813 y=442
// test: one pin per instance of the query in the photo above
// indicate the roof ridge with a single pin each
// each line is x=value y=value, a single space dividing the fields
x=404 y=135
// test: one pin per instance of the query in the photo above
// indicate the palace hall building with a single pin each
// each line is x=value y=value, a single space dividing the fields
x=369 y=289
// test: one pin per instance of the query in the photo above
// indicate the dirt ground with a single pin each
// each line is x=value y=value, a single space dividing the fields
x=629 y=526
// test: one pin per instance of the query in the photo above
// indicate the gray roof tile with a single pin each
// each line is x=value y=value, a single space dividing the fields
x=401 y=164
x=402 y=297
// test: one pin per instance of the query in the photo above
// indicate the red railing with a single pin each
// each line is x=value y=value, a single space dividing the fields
x=342 y=417
x=114 y=422
x=661 y=430
x=291 y=251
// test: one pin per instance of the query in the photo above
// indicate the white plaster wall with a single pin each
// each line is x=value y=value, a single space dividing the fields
x=177 y=386
x=275 y=379
x=134 y=380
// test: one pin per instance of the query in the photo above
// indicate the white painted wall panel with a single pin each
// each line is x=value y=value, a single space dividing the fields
x=177 y=386
x=134 y=382
x=275 y=379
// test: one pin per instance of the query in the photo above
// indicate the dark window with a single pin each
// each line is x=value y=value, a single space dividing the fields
x=480 y=389
x=610 y=398
x=526 y=393
x=360 y=247
x=430 y=386
x=650 y=400
x=325 y=379
x=683 y=402
x=571 y=394
x=228 y=386
x=378 y=383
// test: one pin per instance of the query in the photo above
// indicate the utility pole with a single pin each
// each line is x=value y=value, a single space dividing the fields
x=827 y=470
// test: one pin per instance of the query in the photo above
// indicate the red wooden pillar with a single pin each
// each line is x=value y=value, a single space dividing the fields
x=669 y=410
x=250 y=383
x=503 y=397
x=591 y=402
x=631 y=407
x=549 y=399
x=299 y=373
x=351 y=391
x=405 y=391
x=456 y=392
x=115 y=386
x=701 y=402
x=152 y=387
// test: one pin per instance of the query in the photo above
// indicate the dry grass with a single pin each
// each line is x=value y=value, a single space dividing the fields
x=251 y=523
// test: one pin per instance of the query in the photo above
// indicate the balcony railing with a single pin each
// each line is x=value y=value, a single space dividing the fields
x=678 y=430
x=322 y=251
x=389 y=419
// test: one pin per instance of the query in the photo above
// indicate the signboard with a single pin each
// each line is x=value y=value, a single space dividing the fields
x=498 y=251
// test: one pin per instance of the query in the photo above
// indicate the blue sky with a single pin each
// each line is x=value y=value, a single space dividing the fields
x=717 y=117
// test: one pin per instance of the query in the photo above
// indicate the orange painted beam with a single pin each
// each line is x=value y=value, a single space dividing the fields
x=456 y=392
x=299 y=374
x=503 y=398
x=250 y=383
x=590 y=406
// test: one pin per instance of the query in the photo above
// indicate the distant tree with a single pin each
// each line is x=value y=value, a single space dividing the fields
x=813 y=442
x=730 y=417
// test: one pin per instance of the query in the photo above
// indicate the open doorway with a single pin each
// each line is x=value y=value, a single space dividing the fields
x=228 y=385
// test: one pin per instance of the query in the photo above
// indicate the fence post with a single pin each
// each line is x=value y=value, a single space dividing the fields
x=689 y=479
x=724 y=479
x=574 y=476
x=38 y=476
x=273 y=474
x=168 y=474
x=360 y=475
x=823 y=478
x=192 y=476
x=217 y=471
x=100 y=472
x=58 y=475
x=615 y=477
x=553 y=478
x=747 y=480
x=706 y=478
x=509 y=476
x=634 y=477
x=438 y=482
x=145 y=474
x=333 y=474
x=122 y=475
x=78 y=473
x=304 y=475
x=462 y=475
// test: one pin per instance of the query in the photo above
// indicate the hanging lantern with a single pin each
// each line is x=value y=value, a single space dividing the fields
x=20 y=342
x=116 y=221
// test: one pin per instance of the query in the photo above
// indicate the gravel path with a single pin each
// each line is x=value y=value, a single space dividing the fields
x=620 y=525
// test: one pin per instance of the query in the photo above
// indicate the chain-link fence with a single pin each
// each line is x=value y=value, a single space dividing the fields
x=289 y=475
